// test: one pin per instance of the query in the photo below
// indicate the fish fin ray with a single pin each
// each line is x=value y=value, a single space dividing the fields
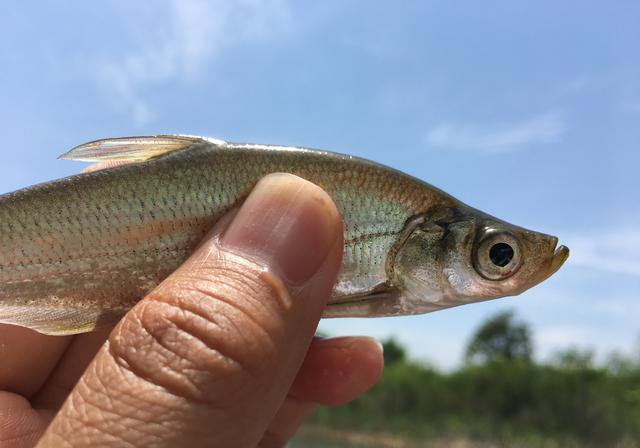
x=132 y=149
x=57 y=321
x=360 y=305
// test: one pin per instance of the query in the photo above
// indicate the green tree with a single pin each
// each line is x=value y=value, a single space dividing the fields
x=500 y=338
x=575 y=358
x=393 y=352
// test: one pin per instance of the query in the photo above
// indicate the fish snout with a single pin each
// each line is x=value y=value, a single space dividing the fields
x=560 y=255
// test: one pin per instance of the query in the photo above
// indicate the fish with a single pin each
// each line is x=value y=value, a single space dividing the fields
x=77 y=253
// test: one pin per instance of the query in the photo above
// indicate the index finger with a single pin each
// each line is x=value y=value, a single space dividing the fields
x=27 y=358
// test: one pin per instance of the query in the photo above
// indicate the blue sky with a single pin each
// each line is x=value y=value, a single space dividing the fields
x=529 y=112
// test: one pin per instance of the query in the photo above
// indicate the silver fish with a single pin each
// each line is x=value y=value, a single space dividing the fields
x=77 y=253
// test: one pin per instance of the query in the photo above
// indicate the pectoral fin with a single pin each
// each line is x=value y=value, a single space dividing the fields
x=378 y=302
x=132 y=149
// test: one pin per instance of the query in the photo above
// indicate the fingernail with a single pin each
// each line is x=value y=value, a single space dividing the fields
x=377 y=343
x=288 y=223
x=353 y=341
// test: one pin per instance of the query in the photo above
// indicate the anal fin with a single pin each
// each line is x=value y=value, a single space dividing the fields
x=57 y=321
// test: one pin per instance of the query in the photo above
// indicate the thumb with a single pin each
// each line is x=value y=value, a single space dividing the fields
x=208 y=357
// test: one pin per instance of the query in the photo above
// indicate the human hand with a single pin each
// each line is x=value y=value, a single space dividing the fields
x=220 y=354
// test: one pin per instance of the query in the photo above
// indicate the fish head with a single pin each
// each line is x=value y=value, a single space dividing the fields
x=458 y=255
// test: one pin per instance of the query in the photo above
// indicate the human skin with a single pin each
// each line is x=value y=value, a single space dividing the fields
x=222 y=353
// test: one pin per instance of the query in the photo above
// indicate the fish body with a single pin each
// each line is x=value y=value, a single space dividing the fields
x=77 y=253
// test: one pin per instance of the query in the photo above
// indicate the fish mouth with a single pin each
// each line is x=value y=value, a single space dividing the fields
x=552 y=260
x=558 y=257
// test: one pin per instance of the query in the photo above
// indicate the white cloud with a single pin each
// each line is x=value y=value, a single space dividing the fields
x=178 y=42
x=549 y=340
x=545 y=128
x=614 y=251
x=619 y=308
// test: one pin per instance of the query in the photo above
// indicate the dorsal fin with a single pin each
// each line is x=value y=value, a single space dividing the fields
x=132 y=149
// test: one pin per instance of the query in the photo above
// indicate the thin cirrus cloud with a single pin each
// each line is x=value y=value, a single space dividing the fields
x=541 y=129
x=615 y=251
x=550 y=340
x=180 y=43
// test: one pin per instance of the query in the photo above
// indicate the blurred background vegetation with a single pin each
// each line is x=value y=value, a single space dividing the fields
x=499 y=397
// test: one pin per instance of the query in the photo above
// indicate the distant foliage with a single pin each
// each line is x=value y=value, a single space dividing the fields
x=393 y=352
x=502 y=395
x=500 y=338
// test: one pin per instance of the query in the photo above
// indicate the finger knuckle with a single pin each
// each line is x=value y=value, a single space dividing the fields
x=209 y=323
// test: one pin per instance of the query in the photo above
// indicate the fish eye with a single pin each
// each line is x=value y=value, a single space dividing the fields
x=497 y=254
x=501 y=254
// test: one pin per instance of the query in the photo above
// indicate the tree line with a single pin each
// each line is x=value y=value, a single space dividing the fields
x=501 y=394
